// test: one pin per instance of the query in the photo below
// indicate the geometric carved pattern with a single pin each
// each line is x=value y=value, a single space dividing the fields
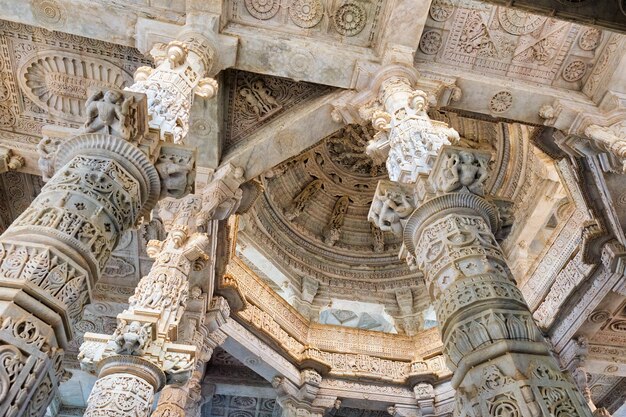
x=353 y=22
x=509 y=42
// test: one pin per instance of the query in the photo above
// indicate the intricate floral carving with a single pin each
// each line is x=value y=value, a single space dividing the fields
x=518 y=22
x=590 y=39
x=255 y=99
x=574 y=71
x=120 y=394
x=501 y=102
x=430 y=42
x=350 y=19
x=49 y=12
x=441 y=10
x=62 y=91
x=306 y=13
x=262 y=9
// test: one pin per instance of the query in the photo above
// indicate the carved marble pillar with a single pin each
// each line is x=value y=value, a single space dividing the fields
x=143 y=349
x=182 y=67
x=101 y=184
x=502 y=364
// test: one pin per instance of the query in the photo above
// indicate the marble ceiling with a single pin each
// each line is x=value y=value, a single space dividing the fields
x=307 y=238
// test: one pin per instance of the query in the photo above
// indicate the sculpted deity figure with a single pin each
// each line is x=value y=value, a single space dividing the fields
x=109 y=112
x=133 y=340
x=332 y=233
x=464 y=170
x=299 y=203
x=388 y=208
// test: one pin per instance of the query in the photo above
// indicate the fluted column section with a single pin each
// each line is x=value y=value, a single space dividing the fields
x=501 y=362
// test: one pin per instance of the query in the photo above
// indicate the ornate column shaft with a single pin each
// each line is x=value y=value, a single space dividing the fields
x=502 y=364
x=101 y=184
x=147 y=331
x=142 y=350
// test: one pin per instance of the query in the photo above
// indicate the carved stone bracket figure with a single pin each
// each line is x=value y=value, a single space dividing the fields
x=391 y=206
x=299 y=203
x=501 y=362
x=9 y=161
x=332 y=231
x=182 y=67
x=611 y=139
x=149 y=329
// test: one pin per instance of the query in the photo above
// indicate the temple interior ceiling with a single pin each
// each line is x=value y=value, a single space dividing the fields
x=510 y=43
x=317 y=286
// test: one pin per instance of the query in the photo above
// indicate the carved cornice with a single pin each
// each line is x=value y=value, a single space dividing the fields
x=340 y=351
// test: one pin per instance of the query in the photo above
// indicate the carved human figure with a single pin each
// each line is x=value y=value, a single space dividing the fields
x=388 y=209
x=332 y=232
x=47 y=149
x=299 y=203
x=108 y=111
x=464 y=170
x=133 y=339
x=265 y=94
x=252 y=101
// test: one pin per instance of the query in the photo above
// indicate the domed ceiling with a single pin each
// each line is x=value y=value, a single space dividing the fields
x=308 y=236
x=311 y=223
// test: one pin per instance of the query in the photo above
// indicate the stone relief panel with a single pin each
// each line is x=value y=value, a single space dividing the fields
x=352 y=22
x=17 y=191
x=239 y=406
x=47 y=76
x=511 y=43
x=254 y=100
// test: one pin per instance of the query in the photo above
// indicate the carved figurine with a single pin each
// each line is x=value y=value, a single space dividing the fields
x=252 y=101
x=332 y=232
x=388 y=209
x=47 y=150
x=133 y=340
x=109 y=112
x=464 y=170
x=300 y=201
